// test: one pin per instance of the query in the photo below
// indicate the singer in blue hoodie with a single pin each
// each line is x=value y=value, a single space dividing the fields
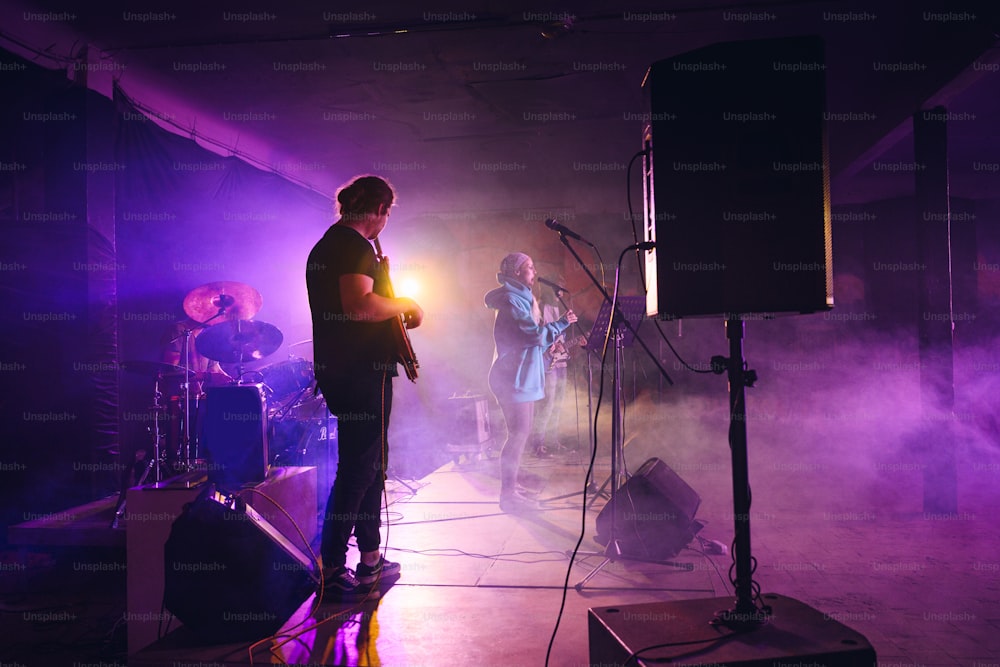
x=517 y=376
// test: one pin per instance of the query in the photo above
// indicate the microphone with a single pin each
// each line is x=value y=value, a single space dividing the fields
x=556 y=287
x=565 y=231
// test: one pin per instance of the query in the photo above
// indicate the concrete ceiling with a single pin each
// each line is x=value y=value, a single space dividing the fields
x=506 y=105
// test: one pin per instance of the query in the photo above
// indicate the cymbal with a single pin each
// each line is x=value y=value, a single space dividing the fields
x=236 y=301
x=238 y=341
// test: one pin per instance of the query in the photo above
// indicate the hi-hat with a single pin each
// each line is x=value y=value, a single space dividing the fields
x=223 y=299
x=238 y=341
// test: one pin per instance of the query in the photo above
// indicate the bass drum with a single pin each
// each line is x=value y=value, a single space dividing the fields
x=284 y=380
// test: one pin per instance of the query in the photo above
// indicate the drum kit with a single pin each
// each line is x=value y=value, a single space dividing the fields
x=222 y=329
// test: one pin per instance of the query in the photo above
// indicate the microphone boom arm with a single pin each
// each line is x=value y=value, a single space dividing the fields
x=617 y=316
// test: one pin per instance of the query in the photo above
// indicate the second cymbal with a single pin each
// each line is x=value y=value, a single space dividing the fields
x=239 y=341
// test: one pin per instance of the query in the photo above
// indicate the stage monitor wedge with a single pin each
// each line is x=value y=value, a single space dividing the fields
x=651 y=515
x=736 y=185
x=229 y=574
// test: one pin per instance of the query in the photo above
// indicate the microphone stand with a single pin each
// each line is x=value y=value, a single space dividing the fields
x=617 y=314
x=592 y=444
x=618 y=323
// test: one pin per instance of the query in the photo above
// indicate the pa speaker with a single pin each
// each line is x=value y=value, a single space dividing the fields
x=229 y=575
x=235 y=435
x=735 y=181
x=651 y=515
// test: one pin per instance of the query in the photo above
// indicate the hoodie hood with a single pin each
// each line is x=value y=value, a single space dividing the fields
x=508 y=287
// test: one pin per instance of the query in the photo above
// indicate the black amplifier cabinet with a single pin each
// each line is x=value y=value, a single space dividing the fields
x=235 y=435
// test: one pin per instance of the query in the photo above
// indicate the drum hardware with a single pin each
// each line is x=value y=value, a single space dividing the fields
x=160 y=372
x=285 y=420
x=188 y=377
x=232 y=300
x=155 y=463
x=288 y=378
x=282 y=410
x=155 y=369
x=296 y=437
x=235 y=340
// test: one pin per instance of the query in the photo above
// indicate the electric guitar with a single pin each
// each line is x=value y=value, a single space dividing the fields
x=560 y=350
x=404 y=349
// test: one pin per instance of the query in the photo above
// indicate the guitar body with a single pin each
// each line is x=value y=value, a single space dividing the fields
x=561 y=351
x=403 y=347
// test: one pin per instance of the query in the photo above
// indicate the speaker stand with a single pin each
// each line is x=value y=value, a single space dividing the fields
x=612 y=553
x=782 y=631
x=745 y=614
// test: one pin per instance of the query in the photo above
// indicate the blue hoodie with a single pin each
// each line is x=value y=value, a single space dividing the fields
x=518 y=371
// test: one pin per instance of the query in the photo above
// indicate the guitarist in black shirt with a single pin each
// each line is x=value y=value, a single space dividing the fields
x=355 y=356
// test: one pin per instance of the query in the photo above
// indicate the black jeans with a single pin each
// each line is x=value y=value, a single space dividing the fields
x=362 y=404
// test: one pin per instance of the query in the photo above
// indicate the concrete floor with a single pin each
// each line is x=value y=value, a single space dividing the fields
x=480 y=587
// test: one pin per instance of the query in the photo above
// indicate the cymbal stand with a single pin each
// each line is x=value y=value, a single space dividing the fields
x=154 y=463
x=188 y=334
x=186 y=347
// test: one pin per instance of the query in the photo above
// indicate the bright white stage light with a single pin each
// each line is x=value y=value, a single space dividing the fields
x=408 y=287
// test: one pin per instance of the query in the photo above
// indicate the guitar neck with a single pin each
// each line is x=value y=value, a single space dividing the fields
x=404 y=348
x=384 y=264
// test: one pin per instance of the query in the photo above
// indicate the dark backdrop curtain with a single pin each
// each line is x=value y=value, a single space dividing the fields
x=188 y=217
x=58 y=407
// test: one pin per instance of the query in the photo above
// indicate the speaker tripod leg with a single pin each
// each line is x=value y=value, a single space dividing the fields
x=610 y=553
x=614 y=552
x=590 y=575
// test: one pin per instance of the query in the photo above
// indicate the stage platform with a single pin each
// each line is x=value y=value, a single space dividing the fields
x=83 y=526
x=481 y=587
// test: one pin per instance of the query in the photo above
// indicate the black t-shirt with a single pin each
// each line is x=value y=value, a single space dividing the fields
x=344 y=345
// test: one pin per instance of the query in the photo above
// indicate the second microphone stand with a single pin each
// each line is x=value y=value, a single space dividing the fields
x=587 y=337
